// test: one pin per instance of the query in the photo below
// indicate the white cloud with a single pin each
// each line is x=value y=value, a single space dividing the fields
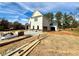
x=26 y=20
x=24 y=6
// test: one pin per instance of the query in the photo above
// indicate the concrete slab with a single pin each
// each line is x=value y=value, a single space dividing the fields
x=30 y=32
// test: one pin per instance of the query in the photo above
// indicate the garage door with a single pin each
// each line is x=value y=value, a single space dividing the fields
x=52 y=28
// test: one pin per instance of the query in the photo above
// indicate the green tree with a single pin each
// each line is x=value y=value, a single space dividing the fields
x=10 y=26
x=75 y=24
x=50 y=16
x=66 y=21
x=69 y=21
x=1 y=28
x=59 y=17
x=4 y=23
x=18 y=25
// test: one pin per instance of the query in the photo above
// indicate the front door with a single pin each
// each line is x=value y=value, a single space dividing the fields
x=33 y=27
x=37 y=27
x=45 y=28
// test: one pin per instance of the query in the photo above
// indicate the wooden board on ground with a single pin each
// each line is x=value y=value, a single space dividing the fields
x=3 y=42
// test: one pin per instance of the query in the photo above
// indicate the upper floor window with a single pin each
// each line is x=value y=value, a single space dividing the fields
x=36 y=19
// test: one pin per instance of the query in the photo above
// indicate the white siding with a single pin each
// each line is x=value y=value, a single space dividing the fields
x=37 y=23
x=41 y=22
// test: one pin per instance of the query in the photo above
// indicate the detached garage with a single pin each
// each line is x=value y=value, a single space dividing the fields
x=53 y=28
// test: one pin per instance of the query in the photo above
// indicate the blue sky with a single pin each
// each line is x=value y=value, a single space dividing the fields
x=21 y=11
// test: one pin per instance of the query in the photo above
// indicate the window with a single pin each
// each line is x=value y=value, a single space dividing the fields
x=36 y=19
x=37 y=27
x=33 y=27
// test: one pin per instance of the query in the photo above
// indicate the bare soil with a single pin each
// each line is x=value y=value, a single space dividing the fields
x=62 y=43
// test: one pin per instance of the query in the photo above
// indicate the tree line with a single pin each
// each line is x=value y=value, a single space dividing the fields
x=6 y=25
x=63 y=20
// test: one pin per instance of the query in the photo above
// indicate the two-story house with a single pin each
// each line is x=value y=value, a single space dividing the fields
x=40 y=22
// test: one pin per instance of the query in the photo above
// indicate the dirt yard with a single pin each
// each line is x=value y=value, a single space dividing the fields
x=61 y=43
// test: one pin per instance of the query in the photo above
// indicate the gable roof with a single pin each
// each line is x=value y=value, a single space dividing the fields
x=37 y=13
